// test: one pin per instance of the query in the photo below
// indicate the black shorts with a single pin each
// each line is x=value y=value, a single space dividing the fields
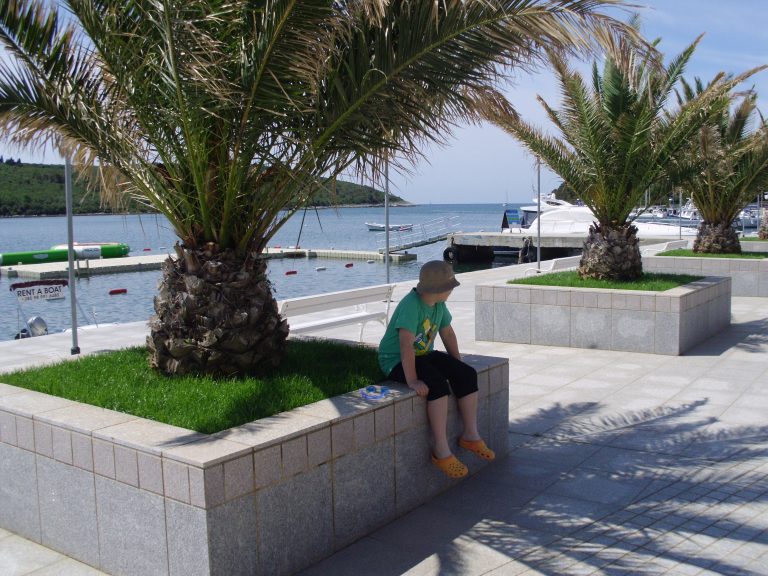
x=442 y=373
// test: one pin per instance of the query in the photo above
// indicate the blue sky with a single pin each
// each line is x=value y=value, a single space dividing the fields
x=483 y=164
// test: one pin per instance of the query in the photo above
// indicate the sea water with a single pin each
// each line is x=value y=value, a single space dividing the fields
x=331 y=228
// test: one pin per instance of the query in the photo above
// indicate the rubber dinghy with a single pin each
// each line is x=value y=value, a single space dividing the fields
x=59 y=254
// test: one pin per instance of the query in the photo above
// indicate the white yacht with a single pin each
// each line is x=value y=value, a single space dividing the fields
x=577 y=220
x=689 y=211
x=523 y=217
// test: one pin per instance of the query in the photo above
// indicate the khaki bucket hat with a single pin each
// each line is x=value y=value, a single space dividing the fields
x=436 y=276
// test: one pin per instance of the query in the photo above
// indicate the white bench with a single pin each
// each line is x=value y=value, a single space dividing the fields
x=656 y=248
x=356 y=302
x=554 y=265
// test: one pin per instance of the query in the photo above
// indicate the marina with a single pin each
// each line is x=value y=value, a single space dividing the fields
x=343 y=254
x=333 y=252
x=155 y=261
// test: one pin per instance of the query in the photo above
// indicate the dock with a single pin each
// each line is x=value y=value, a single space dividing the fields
x=481 y=246
x=85 y=268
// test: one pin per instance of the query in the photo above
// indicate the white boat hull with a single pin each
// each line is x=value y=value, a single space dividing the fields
x=376 y=227
x=578 y=219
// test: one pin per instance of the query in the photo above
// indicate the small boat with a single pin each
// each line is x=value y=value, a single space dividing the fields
x=376 y=227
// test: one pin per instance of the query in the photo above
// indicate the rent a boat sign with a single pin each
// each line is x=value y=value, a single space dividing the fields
x=39 y=290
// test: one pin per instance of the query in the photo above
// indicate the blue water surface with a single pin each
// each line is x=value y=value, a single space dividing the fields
x=339 y=228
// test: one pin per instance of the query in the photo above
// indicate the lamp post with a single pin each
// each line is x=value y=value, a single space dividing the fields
x=71 y=255
x=386 y=215
x=538 y=219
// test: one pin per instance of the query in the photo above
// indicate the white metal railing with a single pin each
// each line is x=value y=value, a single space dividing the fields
x=421 y=234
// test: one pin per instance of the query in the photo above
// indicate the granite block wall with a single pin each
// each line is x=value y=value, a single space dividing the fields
x=749 y=277
x=668 y=322
x=135 y=497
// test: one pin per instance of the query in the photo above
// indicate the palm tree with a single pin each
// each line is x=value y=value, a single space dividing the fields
x=227 y=116
x=614 y=145
x=726 y=167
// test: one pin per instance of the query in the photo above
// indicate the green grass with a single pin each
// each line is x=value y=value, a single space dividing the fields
x=123 y=381
x=691 y=253
x=571 y=279
x=753 y=239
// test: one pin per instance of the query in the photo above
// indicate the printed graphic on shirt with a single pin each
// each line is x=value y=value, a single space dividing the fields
x=424 y=339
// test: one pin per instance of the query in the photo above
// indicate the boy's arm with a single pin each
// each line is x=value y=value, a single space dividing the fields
x=408 y=360
x=451 y=343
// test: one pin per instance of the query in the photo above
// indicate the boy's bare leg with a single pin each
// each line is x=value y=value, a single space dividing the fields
x=437 y=413
x=468 y=410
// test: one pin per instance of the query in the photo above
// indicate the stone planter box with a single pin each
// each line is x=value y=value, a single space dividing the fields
x=136 y=497
x=668 y=322
x=753 y=245
x=749 y=276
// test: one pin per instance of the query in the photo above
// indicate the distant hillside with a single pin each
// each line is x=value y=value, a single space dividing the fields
x=349 y=193
x=38 y=189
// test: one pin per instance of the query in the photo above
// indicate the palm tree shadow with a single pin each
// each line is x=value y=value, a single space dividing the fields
x=622 y=493
x=747 y=337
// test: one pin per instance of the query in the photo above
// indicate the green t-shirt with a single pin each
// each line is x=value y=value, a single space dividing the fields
x=415 y=316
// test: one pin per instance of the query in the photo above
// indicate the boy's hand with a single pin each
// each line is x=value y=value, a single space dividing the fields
x=419 y=387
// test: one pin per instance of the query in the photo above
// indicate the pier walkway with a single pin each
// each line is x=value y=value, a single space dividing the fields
x=84 y=268
x=620 y=463
x=420 y=235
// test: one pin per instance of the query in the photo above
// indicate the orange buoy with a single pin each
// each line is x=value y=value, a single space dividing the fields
x=290 y=272
x=348 y=265
x=118 y=291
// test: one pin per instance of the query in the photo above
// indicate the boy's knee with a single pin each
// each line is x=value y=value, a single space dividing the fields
x=438 y=389
x=466 y=386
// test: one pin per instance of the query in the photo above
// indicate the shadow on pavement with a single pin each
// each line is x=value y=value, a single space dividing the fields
x=666 y=489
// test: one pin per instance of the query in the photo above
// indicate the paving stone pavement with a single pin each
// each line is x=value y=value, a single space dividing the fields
x=620 y=463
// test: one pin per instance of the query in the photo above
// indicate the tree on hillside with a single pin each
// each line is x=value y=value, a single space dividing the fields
x=615 y=143
x=725 y=168
x=220 y=114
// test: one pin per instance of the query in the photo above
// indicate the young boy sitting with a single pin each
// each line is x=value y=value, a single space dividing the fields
x=406 y=354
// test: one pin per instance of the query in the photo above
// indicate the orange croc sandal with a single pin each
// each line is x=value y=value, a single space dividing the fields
x=450 y=466
x=479 y=448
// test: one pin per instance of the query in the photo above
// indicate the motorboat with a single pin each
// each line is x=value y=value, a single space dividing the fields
x=524 y=216
x=650 y=213
x=578 y=219
x=376 y=227
x=689 y=211
x=749 y=217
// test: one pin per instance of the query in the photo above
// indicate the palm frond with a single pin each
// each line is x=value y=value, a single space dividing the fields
x=621 y=140
x=229 y=115
x=725 y=164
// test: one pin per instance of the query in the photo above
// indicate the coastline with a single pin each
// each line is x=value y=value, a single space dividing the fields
x=334 y=206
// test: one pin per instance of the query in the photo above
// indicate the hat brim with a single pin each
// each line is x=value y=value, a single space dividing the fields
x=424 y=288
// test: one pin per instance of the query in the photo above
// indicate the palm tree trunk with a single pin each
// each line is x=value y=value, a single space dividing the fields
x=215 y=313
x=716 y=238
x=611 y=254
